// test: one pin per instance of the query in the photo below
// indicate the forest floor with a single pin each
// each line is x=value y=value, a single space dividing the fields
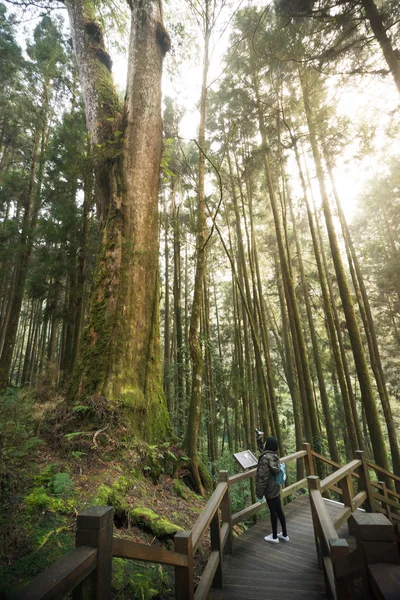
x=44 y=486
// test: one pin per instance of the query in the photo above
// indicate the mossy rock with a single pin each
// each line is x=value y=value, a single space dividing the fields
x=114 y=495
x=145 y=517
x=39 y=499
x=179 y=489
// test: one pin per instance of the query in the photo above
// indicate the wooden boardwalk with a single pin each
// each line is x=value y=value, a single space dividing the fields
x=258 y=570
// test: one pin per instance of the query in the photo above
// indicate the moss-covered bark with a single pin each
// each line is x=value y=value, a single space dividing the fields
x=119 y=355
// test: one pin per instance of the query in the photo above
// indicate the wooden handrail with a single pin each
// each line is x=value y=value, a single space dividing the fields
x=242 y=476
x=294 y=456
x=383 y=471
x=204 y=520
x=252 y=472
x=386 y=500
x=359 y=499
x=62 y=576
x=136 y=551
x=330 y=462
x=339 y=474
x=297 y=485
x=325 y=522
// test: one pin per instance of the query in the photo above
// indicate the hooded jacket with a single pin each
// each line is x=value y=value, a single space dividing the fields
x=268 y=466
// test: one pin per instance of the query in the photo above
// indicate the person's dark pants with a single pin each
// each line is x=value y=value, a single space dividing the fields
x=274 y=505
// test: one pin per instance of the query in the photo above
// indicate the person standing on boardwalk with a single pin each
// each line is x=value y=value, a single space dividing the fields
x=267 y=469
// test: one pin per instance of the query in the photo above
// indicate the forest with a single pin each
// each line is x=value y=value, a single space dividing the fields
x=199 y=237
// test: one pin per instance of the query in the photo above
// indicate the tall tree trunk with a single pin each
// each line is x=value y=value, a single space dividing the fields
x=192 y=431
x=380 y=32
x=167 y=325
x=30 y=213
x=180 y=358
x=368 y=399
x=369 y=327
x=314 y=340
x=294 y=315
x=119 y=354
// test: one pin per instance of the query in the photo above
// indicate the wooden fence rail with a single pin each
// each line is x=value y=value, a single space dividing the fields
x=87 y=570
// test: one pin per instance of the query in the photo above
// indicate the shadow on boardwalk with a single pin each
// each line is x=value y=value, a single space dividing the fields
x=258 y=570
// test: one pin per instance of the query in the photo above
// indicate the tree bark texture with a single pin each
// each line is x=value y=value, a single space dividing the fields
x=119 y=354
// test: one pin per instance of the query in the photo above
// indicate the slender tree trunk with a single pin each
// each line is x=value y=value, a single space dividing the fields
x=380 y=32
x=167 y=326
x=369 y=327
x=368 y=399
x=192 y=432
x=294 y=315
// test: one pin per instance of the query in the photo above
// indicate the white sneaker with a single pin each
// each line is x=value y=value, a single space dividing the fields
x=270 y=538
x=285 y=538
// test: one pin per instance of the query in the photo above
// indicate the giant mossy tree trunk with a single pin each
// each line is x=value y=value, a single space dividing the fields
x=368 y=399
x=119 y=354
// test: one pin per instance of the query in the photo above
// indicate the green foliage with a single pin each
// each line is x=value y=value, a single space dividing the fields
x=17 y=427
x=158 y=459
x=63 y=484
x=138 y=581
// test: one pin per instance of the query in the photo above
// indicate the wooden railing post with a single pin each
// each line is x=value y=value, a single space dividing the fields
x=347 y=495
x=226 y=511
x=184 y=586
x=94 y=527
x=314 y=483
x=309 y=459
x=385 y=494
x=365 y=482
x=215 y=535
x=339 y=551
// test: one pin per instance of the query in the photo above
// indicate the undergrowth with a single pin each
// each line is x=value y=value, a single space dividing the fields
x=48 y=475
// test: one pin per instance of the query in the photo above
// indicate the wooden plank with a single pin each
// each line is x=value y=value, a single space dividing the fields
x=385 y=581
x=216 y=546
x=380 y=552
x=136 y=551
x=241 y=476
x=373 y=527
x=226 y=514
x=339 y=474
x=204 y=585
x=323 y=516
x=247 y=512
x=204 y=520
x=252 y=472
x=359 y=499
x=330 y=577
x=342 y=517
x=225 y=530
x=62 y=577
x=184 y=589
x=386 y=500
x=95 y=528
x=293 y=487
x=352 y=567
x=95 y=517
x=294 y=456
